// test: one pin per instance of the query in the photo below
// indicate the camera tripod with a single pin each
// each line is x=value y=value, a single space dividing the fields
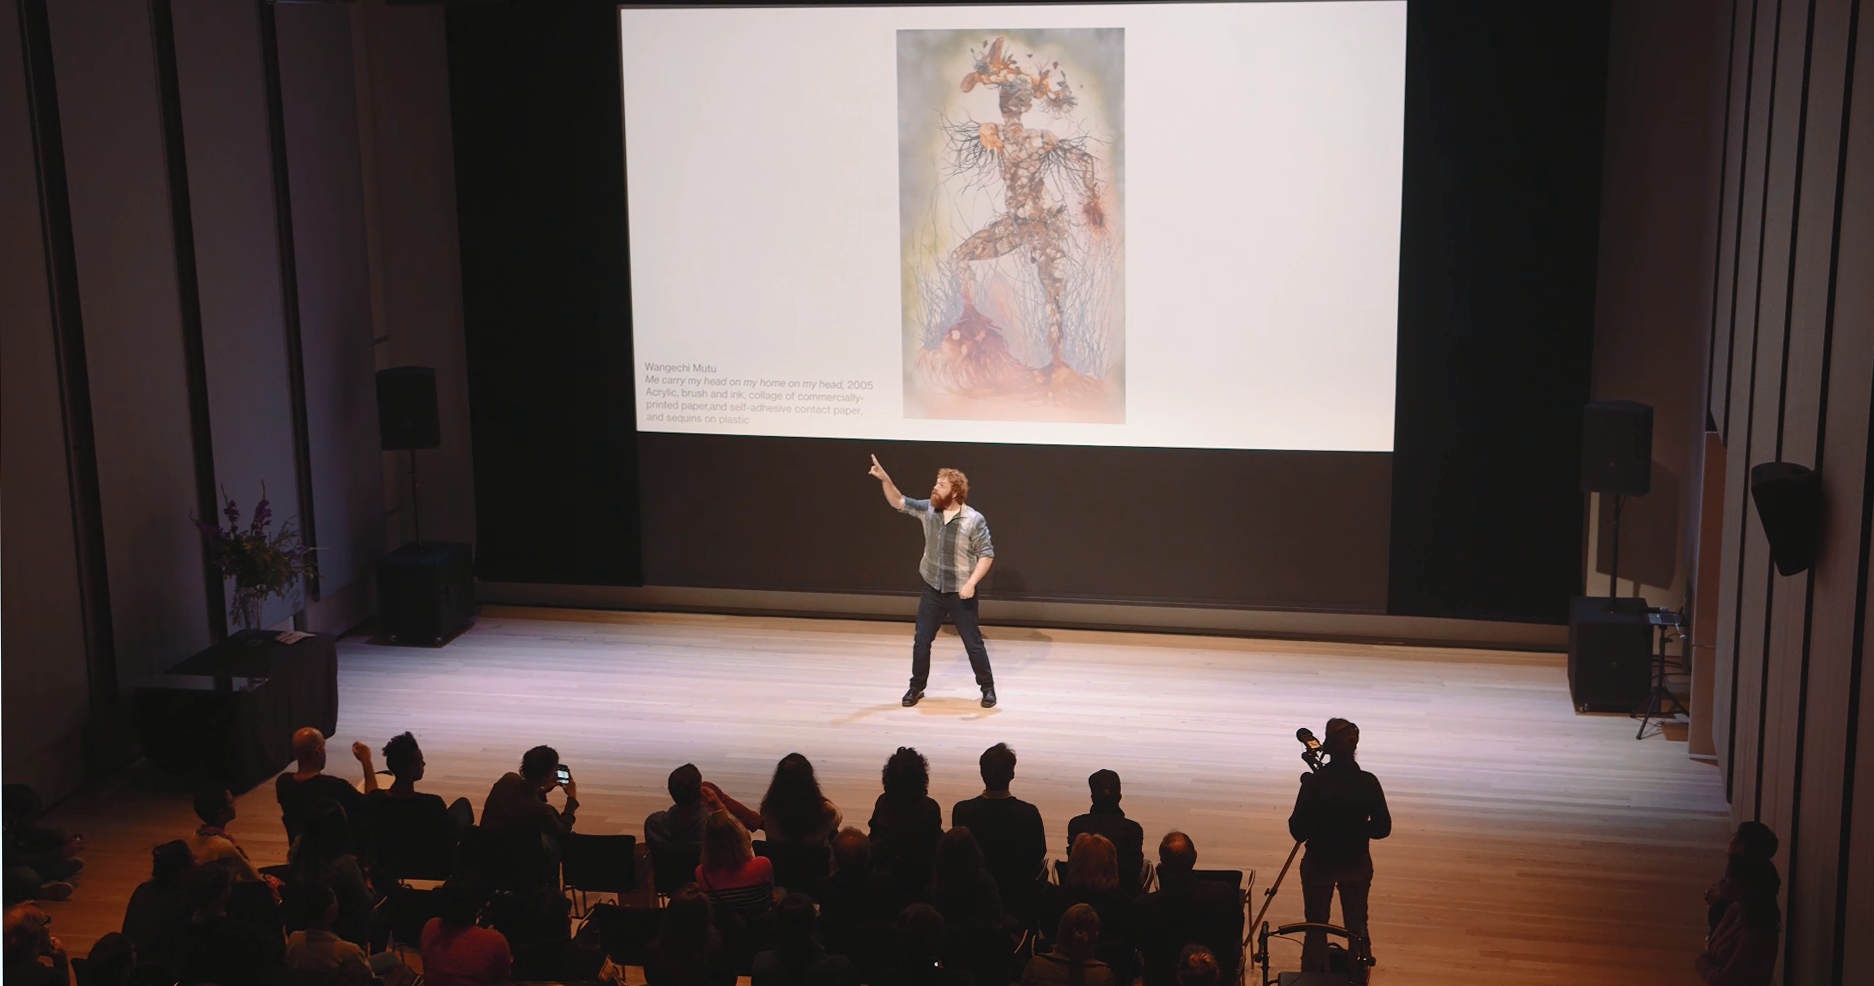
x=1661 y=703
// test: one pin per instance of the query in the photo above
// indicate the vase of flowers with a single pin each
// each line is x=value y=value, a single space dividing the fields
x=262 y=563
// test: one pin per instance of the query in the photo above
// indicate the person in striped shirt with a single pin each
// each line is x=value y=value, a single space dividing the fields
x=957 y=554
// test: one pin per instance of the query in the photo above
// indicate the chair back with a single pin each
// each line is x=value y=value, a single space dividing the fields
x=672 y=868
x=626 y=932
x=409 y=910
x=801 y=869
x=599 y=863
x=1232 y=877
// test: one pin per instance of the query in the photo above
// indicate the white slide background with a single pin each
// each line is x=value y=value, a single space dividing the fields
x=1263 y=152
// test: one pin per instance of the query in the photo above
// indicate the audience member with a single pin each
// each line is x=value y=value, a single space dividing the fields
x=920 y=936
x=1339 y=809
x=215 y=948
x=735 y=879
x=688 y=951
x=794 y=811
x=858 y=904
x=109 y=962
x=1072 y=961
x=40 y=860
x=28 y=939
x=412 y=832
x=159 y=907
x=1009 y=830
x=679 y=828
x=323 y=856
x=797 y=958
x=1185 y=910
x=856 y=893
x=457 y=952
x=298 y=791
x=1742 y=950
x=1197 y=967
x=1752 y=838
x=518 y=815
x=1105 y=818
x=211 y=842
x=906 y=821
x=1093 y=879
x=316 y=956
x=961 y=888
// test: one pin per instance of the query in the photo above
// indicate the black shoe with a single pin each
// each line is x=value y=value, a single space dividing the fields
x=989 y=696
x=911 y=696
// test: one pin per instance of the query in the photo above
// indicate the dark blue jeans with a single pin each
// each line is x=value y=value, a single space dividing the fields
x=931 y=612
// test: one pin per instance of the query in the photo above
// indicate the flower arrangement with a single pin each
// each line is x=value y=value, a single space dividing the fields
x=262 y=564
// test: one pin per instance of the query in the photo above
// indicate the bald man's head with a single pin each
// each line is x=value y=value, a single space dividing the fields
x=309 y=748
x=1176 y=854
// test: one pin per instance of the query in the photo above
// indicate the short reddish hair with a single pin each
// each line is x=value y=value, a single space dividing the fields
x=959 y=483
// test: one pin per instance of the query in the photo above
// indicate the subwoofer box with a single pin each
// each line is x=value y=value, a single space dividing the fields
x=426 y=592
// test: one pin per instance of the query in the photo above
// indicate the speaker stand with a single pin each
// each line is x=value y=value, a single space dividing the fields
x=416 y=512
x=1661 y=703
x=1613 y=575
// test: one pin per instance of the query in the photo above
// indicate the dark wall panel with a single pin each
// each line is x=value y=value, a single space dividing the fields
x=1302 y=530
x=1504 y=123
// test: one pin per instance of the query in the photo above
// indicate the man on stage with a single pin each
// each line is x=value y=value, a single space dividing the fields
x=957 y=554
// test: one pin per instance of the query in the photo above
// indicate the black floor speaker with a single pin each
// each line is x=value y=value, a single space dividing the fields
x=1610 y=654
x=426 y=592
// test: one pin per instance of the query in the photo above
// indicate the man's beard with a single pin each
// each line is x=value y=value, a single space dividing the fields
x=942 y=502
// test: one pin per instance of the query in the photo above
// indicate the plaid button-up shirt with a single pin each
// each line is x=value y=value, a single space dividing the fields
x=950 y=550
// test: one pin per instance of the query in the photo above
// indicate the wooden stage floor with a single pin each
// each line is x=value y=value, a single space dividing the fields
x=1530 y=844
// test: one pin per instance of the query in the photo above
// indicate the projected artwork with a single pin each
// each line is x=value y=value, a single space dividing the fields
x=1012 y=232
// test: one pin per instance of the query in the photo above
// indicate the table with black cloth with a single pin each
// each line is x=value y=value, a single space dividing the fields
x=229 y=712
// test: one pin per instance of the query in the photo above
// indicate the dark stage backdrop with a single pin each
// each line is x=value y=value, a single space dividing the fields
x=1474 y=514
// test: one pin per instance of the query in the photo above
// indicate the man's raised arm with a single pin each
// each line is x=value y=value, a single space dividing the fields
x=892 y=496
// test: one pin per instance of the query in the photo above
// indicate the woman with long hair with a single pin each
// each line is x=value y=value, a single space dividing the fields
x=1072 y=960
x=688 y=951
x=323 y=855
x=159 y=906
x=1092 y=878
x=1742 y=949
x=733 y=878
x=794 y=811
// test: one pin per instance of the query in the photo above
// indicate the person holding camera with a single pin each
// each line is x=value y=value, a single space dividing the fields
x=1339 y=809
x=517 y=814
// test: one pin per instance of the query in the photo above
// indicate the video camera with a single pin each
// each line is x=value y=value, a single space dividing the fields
x=1312 y=752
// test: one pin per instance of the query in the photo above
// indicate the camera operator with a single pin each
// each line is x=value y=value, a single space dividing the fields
x=1338 y=810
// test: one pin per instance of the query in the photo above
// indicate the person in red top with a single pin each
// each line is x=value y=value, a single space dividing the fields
x=456 y=952
x=1742 y=949
x=731 y=875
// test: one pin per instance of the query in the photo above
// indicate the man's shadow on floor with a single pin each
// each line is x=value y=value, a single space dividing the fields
x=950 y=708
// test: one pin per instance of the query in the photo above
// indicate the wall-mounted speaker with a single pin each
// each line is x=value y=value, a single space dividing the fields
x=1617 y=448
x=1789 y=503
x=406 y=408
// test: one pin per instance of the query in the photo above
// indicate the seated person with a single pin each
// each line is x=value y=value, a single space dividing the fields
x=965 y=894
x=211 y=842
x=159 y=906
x=1105 y=818
x=794 y=811
x=40 y=859
x=906 y=821
x=679 y=828
x=457 y=952
x=688 y=950
x=316 y=956
x=1742 y=950
x=27 y=940
x=518 y=816
x=299 y=790
x=1092 y=879
x=216 y=948
x=1752 y=838
x=797 y=958
x=735 y=880
x=1185 y=909
x=413 y=832
x=1197 y=967
x=109 y=962
x=920 y=939
x=1009 y=830
x=1073 y=959
x=856 y=892
x=323 y=856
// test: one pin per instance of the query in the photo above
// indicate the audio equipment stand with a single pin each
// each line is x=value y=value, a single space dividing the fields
x=1661 y=703
x=1613 y=574
x=416 y=512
